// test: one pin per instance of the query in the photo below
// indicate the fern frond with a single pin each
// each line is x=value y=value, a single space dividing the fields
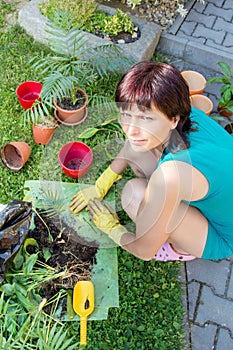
x=108 y=59
x=56 y=86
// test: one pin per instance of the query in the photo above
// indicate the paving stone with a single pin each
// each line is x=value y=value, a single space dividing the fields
x=221 y=24
x=186 y=37
x=203 y=32
x=225 y=49
x=227 y=4
x=207 y=42
x=205 y=56
x=203 y=337
x=218 y=3
x=188 y=27
x=230 y=286
x=193 y=292
x=224 y=342
x=199 y=6
x=199 y=40
x=228 y=41
x=211 y=9
x=212 y=273
x=213 y=308
x=197 y=17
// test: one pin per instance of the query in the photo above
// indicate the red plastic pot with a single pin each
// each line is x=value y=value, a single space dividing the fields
x=28 y=92
x=75 y=159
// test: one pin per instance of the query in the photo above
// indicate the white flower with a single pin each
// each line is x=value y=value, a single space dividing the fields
x=182 y=11
x=133 y=3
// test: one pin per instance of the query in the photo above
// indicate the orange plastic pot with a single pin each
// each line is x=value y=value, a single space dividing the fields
x=75 y=159
x=28 y=92
x=15 y=154
x=195 y=80
x=202 y=102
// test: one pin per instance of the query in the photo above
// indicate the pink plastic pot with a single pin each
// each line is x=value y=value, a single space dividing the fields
x=75 y=159
x=28 y=92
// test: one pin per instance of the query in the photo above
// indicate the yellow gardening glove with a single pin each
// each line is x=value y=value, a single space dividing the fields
x=102 y=185
x=106 y=219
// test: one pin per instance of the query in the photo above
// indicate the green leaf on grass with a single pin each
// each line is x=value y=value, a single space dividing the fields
x=88 y=133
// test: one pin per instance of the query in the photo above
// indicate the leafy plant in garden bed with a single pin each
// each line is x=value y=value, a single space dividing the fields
x=94 y=20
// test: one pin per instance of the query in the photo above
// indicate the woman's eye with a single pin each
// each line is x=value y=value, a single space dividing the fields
x=125 y=115
x=146 y=118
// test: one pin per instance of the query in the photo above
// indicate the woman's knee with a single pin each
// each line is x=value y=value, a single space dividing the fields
x=132 y=196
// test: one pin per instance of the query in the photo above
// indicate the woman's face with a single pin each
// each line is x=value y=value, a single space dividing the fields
x=147 y=129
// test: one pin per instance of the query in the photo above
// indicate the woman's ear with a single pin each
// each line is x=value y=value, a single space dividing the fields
x=175 y=121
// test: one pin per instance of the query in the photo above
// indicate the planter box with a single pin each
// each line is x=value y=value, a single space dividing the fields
x=105 y=271
x=34 y=23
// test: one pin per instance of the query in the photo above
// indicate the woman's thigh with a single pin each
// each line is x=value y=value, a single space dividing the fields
x=191 y=229
x=190 y=233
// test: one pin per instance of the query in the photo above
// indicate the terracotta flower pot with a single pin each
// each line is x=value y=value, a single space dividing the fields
x=195 y=80
x=67 y=122
x=72 y=117
x=15 y=154
x=43 y=133
x=202 y=102
x=28 y=92
x=75 y=159
x=222 y=110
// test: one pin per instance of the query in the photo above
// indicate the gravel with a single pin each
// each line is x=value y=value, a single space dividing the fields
x=162 y=12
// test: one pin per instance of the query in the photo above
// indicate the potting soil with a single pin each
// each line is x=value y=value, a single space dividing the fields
x=75 y=244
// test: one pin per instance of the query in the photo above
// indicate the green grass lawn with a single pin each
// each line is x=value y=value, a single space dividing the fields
x=151 y=313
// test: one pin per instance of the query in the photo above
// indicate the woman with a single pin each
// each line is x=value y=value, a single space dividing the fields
x=181 y=200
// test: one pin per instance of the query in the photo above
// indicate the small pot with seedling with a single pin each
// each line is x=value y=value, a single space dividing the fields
x=72 y=110
x=225 y=105
x=43 y=123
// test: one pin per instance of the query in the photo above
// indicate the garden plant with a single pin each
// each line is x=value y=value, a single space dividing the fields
x=225 y=104
x=150 y=314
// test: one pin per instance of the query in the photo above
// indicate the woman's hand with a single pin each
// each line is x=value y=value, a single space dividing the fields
x=106 y=220
x=102 y=215
x=80 y=200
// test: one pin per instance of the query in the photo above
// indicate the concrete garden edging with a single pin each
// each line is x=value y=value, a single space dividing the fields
x=34 y=24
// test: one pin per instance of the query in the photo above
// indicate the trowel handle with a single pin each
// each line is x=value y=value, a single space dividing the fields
x=83 y=330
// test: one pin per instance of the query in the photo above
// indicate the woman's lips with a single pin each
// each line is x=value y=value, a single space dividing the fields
x=137 y=142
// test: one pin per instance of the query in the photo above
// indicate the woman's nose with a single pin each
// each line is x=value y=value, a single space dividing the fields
x=131 y=128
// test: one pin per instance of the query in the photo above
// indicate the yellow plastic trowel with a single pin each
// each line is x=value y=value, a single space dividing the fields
x=83 y=304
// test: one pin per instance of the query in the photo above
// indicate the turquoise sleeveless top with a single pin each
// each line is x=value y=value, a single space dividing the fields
x=211 y=152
